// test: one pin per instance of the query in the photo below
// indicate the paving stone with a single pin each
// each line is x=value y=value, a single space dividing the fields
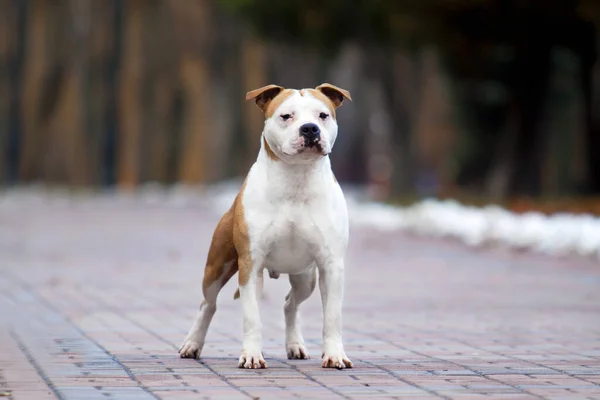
x=94 y=306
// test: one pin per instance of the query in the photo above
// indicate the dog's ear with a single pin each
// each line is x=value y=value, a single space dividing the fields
x=263 y=96
x=334 y=93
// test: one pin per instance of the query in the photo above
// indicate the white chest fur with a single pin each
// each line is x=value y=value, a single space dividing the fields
x=296 y=214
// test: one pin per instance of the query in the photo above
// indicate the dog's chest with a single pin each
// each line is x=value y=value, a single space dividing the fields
x=290 y=239
x=294 y=218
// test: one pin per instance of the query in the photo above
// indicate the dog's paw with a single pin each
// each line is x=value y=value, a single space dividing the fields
x=190 y=349
x=296 y=351
x=252 y=360
x=337 y=360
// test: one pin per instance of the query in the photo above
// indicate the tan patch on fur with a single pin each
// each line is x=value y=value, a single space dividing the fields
x=221 y=252
x=269 y=151
x=241 y=239
x=277 y=101
x=230 y=243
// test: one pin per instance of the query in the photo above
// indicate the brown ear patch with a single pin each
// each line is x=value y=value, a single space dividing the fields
x=264 y=95
x=334 y=93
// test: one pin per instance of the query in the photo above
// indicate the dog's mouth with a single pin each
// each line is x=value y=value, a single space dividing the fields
x=307 y=146
x=314 y=148
x=314 y=142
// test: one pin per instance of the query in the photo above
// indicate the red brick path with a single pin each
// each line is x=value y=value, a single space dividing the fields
x=95 y=298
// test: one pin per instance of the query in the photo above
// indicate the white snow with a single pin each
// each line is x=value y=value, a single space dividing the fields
x=555 y=235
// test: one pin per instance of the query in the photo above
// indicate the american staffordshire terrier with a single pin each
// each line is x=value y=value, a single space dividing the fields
x=289 y=217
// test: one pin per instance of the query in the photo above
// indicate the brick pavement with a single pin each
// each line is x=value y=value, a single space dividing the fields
x=96 y=295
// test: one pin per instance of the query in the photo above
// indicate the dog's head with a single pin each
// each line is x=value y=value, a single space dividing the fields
x=300 y=125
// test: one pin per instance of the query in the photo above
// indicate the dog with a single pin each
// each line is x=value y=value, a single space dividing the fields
x=290 y=217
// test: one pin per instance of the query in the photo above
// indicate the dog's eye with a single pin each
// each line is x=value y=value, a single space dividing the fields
x=323 y=116
x=285 y=117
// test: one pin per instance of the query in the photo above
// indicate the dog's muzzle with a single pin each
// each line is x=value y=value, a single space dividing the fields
x=311 y=134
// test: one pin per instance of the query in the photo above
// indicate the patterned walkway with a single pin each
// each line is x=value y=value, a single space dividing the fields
x=96 y=296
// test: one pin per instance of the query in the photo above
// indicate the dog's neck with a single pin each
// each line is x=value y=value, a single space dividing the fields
x=294 y=181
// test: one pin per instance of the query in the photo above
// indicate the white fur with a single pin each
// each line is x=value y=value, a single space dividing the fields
x=298 y=224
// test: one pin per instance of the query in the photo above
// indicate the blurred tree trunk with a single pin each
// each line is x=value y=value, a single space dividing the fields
x=195 y=79
x=377 y=151
x=400 y=78
x=228 y=101
x=591 y=94
x=130 y=112
x=109 y=161
x=101 y=48
x=349 y=71
x=434 y=128
x=533 y=64
x=52 y=157
x=497 y=184
x=571 y=155
x=254 y=70
x=194 y=27
x=577 y=176
x=162 y=134
x=34 y=68
x=8 y=41
x=67 y=123
x=161 y=77
x=589 y=43
x=577 y=153
x=78 y=95
x=562 y=122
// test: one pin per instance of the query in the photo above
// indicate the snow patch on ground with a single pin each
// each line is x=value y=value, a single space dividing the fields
x=555 y=235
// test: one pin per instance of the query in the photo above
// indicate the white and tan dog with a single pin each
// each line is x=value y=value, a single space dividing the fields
x=289 y=217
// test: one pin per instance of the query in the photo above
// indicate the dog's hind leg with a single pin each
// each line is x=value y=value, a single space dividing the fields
x=302 y=287
x=221 y=265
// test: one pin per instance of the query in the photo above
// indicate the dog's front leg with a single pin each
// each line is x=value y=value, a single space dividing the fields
x=331 y=285
x=252 y=356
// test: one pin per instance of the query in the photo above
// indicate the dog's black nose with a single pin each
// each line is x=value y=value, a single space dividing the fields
x=310 y=131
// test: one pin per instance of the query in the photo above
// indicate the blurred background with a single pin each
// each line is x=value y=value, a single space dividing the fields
x=479 y=100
